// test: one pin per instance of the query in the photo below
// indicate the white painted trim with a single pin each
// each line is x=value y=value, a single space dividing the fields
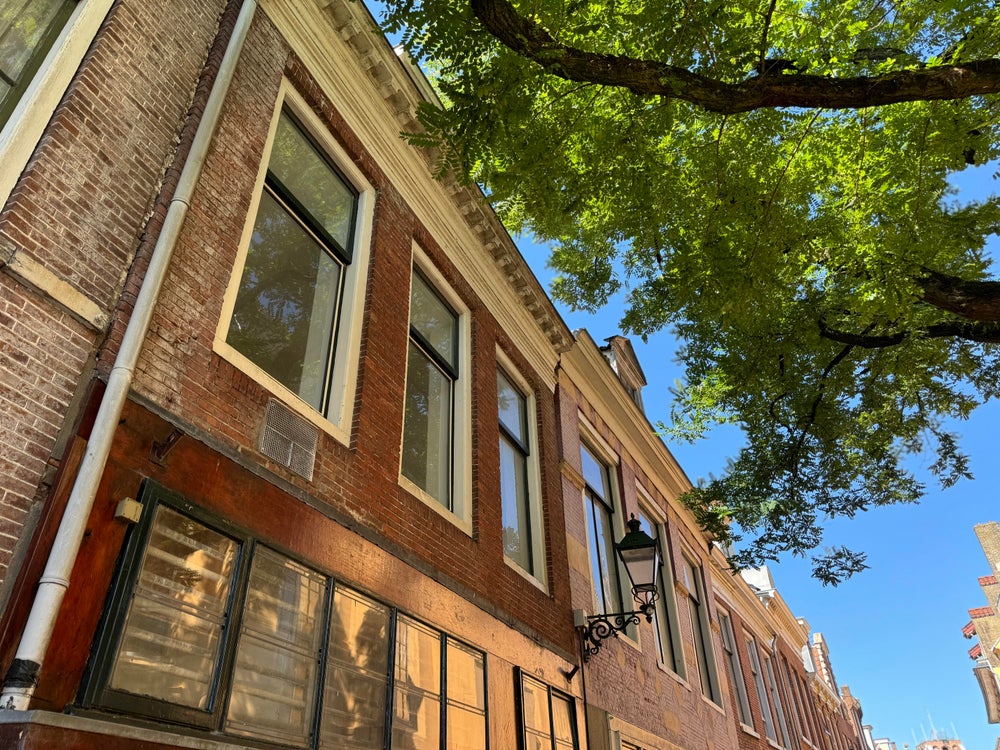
x=24 y=128
x=536 y=516
x=461 y=479
x=604 y=452
x=344 y=375
x=667 y=586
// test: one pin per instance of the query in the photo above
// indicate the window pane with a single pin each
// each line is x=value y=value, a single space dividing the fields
x=315 y=185
x=596 y=475
x=563 y=722
x=661 y=622
x=466 y=687
x=537 y=725
x=512 y=408
x=285 y=311
x=170 y=645
x=427 y=426
x=24 y=26
x=417 y=705
x=434 y=320
x=604 y=567
x=274 y=681
x=514 y=504
x=357 y=666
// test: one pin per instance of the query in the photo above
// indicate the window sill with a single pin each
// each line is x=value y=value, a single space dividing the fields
x=713 y=705
x=465 y=524
x=287 y=397
x=749 y=730
x=540 y=585
x=673 y=675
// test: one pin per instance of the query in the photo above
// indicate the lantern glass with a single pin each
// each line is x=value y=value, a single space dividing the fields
x=640 y=554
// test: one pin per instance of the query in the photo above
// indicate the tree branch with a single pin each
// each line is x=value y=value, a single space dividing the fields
x=974 y=300
x=652 y=78
x=983 y=333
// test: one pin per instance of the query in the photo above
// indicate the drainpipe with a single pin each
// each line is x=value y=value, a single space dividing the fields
x=22 y=678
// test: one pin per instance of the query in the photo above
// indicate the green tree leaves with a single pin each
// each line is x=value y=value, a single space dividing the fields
x=770 y=181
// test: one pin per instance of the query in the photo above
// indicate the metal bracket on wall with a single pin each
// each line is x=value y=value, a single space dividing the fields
x=158 y=452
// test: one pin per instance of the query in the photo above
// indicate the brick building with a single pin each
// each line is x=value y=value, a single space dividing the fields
x=984 y=625
x=296 y=452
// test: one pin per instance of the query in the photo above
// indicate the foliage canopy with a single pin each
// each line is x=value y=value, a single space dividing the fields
x=769 y=180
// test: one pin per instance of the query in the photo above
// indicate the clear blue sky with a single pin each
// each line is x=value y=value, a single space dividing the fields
x=894 y=631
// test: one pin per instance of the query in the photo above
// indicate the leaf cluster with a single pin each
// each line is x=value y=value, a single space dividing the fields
x=788 y=248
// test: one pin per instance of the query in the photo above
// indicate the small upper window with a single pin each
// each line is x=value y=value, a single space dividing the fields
x=518 y=493
x=598 y=506
x=27 y=30
x=665 y=625
x=432 y=372
x=735 y=669
x=698 y=609
x=286 y=312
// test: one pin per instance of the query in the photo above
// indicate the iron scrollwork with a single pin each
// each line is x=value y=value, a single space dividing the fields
x=599 y=627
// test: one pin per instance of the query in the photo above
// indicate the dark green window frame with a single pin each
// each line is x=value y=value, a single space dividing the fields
x=522 y=730
x=20 y=80
x=98 y=694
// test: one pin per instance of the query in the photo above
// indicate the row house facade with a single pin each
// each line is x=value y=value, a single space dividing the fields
x=295 y=450
x=983 y=628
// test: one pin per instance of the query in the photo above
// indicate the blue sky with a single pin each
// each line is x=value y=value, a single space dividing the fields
x=894 y=631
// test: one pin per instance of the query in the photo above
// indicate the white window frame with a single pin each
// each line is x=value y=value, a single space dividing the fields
x=461 y=480
x=731 y=653
x=771 y=678
x=668 y=593
x=760 y=685
x=24 y=127
x=534 y=481
x=589 y=438
x=344 y=372
x=701 y=627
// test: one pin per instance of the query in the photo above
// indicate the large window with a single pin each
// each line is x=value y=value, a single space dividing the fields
x=735 y=669
x=763 y=695
x=432 y=374
x=599 y=507
x=285 y=315
x=208 y=628
x=665 y=628
x=547 y=718
x=27 y=30
x=776 y=702
x=292 y=315
x=698 y=609
x=522 y=527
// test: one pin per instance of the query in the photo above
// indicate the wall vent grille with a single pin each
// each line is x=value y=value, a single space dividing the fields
x=289 y=439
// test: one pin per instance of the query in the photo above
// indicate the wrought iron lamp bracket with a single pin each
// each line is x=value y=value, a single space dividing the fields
x=599 y=627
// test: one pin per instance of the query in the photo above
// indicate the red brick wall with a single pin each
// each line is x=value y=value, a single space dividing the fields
x=179 y=372
x=79 y=209
x=622 y=679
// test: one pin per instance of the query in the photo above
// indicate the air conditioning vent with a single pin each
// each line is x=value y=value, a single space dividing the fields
x=289 y=439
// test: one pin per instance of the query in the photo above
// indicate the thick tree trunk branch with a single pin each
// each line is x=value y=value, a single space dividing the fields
x=983 y=333
x=974 y=300
x=651 y=78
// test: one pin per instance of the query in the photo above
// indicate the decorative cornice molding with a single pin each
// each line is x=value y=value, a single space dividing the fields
x=404 y=88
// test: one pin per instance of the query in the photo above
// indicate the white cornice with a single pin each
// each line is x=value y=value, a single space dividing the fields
x=404 y=88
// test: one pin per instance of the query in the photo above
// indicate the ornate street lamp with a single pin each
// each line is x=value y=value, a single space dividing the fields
x=640 y=554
